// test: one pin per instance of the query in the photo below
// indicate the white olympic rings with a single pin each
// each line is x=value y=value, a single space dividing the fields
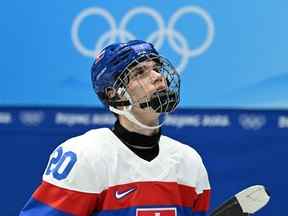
x=176 y=40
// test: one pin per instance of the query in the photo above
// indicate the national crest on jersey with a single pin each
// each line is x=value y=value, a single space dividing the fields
x=95 y=173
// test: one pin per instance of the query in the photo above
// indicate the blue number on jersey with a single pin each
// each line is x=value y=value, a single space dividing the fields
x=64 y=161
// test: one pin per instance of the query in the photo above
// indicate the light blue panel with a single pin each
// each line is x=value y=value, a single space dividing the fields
x=243 y=65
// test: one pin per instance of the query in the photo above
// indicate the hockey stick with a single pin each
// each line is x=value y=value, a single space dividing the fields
x=244 y=203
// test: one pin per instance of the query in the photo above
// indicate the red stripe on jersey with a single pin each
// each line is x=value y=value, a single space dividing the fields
x=202 y=202
x=151 y=193
x=69 y=201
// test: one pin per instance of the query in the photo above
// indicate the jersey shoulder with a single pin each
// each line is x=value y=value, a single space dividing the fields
x=186 y=151
x=78 y=163
x=191 y=171
x=95 y=142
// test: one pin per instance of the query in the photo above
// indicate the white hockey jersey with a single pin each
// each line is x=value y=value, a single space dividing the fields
x=96 y=174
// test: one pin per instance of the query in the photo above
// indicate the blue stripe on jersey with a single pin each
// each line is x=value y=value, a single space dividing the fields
x=181 y=211
x=35 y=208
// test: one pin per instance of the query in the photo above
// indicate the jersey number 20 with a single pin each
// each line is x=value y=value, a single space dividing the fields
x=61 y=164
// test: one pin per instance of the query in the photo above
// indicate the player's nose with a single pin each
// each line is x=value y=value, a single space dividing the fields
x=158 y=80
x=155 y=76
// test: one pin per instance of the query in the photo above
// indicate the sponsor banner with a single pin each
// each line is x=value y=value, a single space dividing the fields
x=283 y=121
x=5 y=118
x=53 y=118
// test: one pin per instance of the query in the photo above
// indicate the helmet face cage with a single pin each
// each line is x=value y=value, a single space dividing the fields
x=150 y=82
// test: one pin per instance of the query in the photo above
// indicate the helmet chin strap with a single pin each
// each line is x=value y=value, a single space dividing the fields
x=127 y=113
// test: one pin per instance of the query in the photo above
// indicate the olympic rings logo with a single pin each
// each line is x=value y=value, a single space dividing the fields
x=252 y=122
x=176 y=39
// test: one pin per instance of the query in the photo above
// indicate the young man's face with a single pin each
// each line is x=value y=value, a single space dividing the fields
x=144 y=80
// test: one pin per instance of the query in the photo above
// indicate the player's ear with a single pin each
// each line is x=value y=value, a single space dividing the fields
x=110 y=93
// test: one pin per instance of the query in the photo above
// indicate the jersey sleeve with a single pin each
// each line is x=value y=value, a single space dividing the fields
x=70 y=186
x=202 y=202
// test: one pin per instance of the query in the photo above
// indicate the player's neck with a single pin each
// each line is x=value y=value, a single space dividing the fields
x=131 y=126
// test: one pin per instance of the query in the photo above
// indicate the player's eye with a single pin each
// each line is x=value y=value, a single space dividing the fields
x=157 y=68
x=137 y=73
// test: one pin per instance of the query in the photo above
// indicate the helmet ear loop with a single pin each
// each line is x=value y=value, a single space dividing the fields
x=126 y=109
x=110 y=94
x=122 y=91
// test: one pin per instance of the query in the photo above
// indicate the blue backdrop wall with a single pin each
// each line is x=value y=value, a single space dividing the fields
x=239 y=147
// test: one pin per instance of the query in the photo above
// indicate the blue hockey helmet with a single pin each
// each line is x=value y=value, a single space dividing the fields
x=110 y=71
x=112 y=60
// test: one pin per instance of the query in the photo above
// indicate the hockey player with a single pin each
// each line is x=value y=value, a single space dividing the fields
x=132 y=169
